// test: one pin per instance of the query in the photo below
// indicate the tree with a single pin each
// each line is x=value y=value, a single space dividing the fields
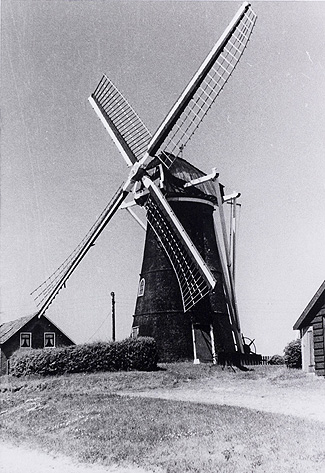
x=292 y=354
x=276 y=360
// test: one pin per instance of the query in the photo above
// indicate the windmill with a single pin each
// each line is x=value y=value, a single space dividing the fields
x=186 y=296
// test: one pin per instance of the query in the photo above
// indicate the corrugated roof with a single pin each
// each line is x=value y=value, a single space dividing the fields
x=312 y=309
x=8 y=329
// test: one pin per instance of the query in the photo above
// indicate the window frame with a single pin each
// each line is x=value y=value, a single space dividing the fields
x=54 y=339
x=141 y=287
x=21 y=339
x=135 y=331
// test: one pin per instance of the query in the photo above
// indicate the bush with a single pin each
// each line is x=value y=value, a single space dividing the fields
x=292 y=354
x=130 y=354
x=276 y=360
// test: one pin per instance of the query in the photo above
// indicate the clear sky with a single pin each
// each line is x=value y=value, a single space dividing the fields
x=59 y=167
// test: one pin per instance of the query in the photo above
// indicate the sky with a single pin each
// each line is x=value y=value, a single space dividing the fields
x=59 y=167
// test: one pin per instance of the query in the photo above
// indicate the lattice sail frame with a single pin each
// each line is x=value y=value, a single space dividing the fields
x=200 y=94
x=137 y=147
x=46 y=292
x=126 y=128
x=194 y=277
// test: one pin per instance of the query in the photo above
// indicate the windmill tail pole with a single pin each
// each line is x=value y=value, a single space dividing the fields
x=227 y=288
x=225 y=242
x=234 y=234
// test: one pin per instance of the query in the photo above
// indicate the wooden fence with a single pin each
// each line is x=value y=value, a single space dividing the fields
x=254 y=359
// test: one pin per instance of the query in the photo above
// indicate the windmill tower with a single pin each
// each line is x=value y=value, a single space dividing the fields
x=182 y=321
x=186 y=297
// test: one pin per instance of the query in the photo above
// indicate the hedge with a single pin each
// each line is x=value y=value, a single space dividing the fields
x=130 y=354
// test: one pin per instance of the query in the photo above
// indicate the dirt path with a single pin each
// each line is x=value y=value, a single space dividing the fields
x=17 y=460
x=302 y=401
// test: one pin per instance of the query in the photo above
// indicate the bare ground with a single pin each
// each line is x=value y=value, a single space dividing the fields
x=305 y=400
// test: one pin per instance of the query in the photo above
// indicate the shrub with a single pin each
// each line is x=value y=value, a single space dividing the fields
x=292 y=354
x=130 y=354
x=276 y=360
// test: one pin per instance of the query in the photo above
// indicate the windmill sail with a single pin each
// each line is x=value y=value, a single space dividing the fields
x=48 y=290
x=123 y=124
x=142 y=153
x=201 y=92
x=194 y=277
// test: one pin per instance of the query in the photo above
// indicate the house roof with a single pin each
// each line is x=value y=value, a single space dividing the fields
x=8 y=329
x=312 y=309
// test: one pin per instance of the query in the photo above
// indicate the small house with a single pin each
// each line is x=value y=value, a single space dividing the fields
x=27 y=333
x=311 y=325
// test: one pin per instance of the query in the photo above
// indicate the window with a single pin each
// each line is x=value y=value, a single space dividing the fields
x=135 y=332
x=25 y=340
x=142 y=284
x=49 y=339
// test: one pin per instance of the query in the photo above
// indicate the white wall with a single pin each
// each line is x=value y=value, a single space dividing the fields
x=307 y=349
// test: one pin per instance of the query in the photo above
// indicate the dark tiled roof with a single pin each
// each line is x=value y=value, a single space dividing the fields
x=8 y=329
x=312 y=309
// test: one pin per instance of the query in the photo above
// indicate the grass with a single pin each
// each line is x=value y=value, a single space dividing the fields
x=85 y=417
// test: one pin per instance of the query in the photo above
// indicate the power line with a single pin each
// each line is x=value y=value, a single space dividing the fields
x=96 y=330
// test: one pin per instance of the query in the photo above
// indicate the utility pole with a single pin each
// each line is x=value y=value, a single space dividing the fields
x=113 y=315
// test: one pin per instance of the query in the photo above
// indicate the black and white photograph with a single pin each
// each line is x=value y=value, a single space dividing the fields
x=162 y=298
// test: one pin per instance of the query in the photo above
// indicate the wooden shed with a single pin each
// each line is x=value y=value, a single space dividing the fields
x=311 y=325
x=27 y=333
